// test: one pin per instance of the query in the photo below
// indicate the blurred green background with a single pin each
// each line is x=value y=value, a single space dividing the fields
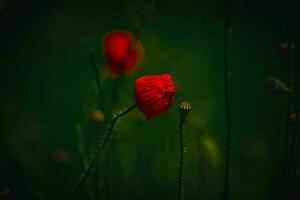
x=48 y=86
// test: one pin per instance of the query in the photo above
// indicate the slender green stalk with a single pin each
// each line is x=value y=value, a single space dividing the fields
x=231 y=8
x=84 y=175
x=80 y=144
x=82 y=150
x=285 y=153
x=227 y=91
x=101 y=104
x=184 y=109
x=97 y=74
x=294 y=109
x=290 y=135
x=181 y=159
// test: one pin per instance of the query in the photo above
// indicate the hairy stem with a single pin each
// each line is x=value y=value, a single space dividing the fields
x=184 y=109
x=181 y=158
x=101 y=147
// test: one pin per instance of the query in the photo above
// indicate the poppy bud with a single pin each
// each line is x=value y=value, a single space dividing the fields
x=184 y=108
x=154 y=94
x=121 y=51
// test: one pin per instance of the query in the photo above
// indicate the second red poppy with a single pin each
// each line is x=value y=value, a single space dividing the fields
x=121 y=50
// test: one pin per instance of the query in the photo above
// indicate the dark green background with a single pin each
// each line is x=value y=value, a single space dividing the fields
x=47 y=85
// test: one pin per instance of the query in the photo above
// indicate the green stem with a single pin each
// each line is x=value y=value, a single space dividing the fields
x=82 y=150
x=181 y=158
x=285 y=152
x=289 y=147
x=98 y=80
x=184 y=109
x=97 y=73
x=80 y=143
x=227 y=91
x=84 y=175
x=101 y=103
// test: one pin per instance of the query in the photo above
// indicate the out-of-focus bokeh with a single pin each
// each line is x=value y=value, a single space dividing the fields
x=52 y=116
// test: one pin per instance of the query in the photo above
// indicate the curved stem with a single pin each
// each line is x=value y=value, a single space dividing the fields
x=84 y=175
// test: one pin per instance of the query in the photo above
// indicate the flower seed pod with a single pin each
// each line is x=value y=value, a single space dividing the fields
x=184 y=108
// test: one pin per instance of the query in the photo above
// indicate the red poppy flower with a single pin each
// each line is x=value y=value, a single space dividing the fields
x=154 y=94
x=121 y=51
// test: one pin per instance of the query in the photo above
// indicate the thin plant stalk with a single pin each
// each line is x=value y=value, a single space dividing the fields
x=227 y=91
x=290 y=138
x=97 y=75
x=285 y=154
x=184 y=109
x=293 y=109
x=101 y=104
x=99 y=152
x=81 y=148
x=231 y=8
x=293 y=144
x=80 y=144
x=181 y=159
